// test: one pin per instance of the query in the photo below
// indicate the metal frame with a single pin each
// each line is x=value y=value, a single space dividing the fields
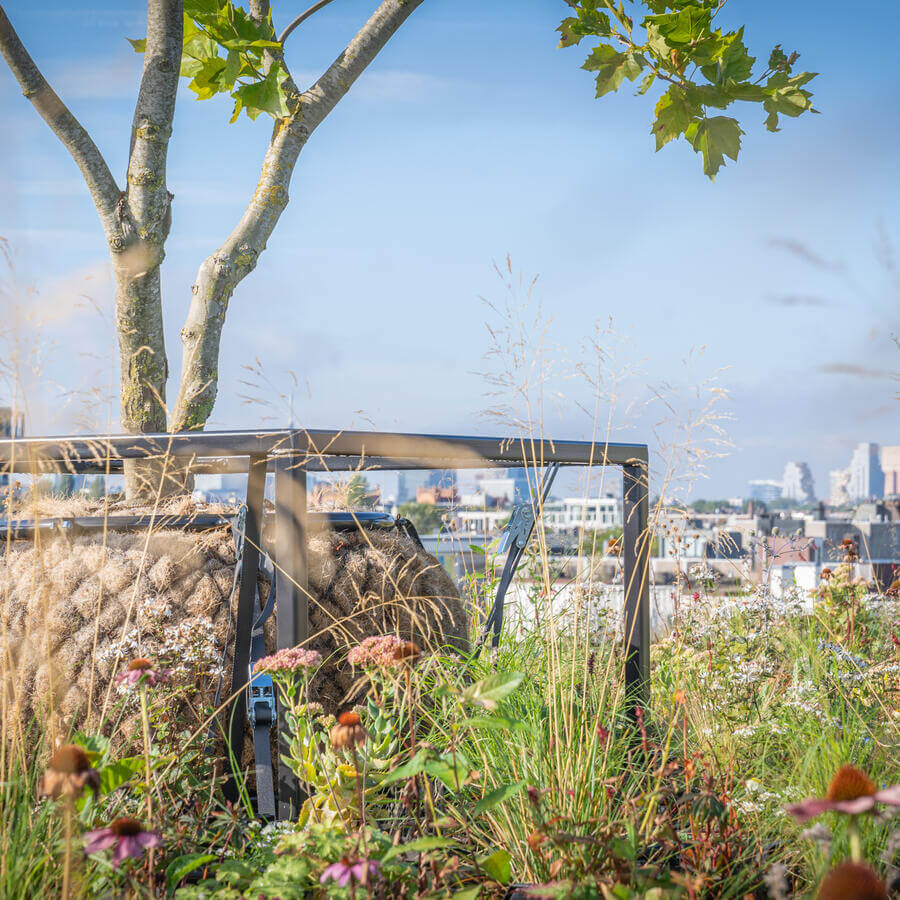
x=291 y=453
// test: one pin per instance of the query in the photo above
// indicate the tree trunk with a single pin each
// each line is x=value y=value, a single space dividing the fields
x=143 y=364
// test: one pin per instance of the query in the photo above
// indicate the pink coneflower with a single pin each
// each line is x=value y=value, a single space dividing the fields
x=125 y=835
x=291 y=659
x=850 y=791
x=68 y=773
x=346 y=871
x=141 y=671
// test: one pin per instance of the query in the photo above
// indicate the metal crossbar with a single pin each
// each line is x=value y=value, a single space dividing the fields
x=291 y=454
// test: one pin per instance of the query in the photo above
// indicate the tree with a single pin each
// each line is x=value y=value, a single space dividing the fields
x=226 y=49
x=425 y=516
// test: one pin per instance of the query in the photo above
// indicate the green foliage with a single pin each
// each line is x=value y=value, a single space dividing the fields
x=226 y=51
x=705 y=69
x=426 y=517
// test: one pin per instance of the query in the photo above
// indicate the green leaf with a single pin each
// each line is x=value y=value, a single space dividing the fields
x=421 y=845
x=120 y=772
x=267 y=95
x=414 y=767
x=680 y=28
x=468 y=893
x=786 y=97
x=182 y=866
x=496 y=797
x=731 y=62
x=451 y=771
x=715 y=139
x=497 y=866
x=673 y=116
x=589 y=22
x=491 y=690
x=140 y=45
x=613 y=67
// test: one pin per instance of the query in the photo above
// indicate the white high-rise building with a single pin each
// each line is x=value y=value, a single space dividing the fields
x=838 y=479
x=764 y=489
x=866 y=477
x=797 y=483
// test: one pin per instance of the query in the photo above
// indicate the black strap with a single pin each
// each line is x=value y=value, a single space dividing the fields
x=494 y=621
x=261 y=709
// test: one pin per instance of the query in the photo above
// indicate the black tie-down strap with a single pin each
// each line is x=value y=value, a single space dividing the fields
x=261 y=706
x=515 y=539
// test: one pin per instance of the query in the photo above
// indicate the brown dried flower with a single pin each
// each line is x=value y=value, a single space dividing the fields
x=852 y=881
x=348 y=733
x=68 y=773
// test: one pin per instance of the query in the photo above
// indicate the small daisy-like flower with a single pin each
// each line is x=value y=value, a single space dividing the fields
x=348 y=733
x=291 y=659
x=127 y=838
x=350 y=871
x=852 y=881
x=68 y=773
x=850 y=791
x=141 y=671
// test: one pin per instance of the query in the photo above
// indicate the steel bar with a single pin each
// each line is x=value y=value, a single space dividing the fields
x=240 y=673
x=414 y=450
x=292 y=601
x=636 y=575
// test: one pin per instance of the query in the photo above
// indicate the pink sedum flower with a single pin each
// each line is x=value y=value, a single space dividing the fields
x=385 y=651
x=850 y=791
x=127 y=838
x=350 y=871
x=141 y=671
x=291 y=659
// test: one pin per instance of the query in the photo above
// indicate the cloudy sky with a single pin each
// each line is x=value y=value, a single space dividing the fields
x=472 y=137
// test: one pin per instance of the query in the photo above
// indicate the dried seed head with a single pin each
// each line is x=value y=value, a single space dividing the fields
x=125 y=827
x=849 y=783
x=852 y=881
x=348 y=733
x=70 y=759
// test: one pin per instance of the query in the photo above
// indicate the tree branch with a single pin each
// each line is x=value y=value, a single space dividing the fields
x=148 y=198
x=104 y=190
x=301 y=19
x=220 y=273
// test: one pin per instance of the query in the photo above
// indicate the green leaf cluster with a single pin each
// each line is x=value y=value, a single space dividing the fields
x=227 y=51
x=704 y=68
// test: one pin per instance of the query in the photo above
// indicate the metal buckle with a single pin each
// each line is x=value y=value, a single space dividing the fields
x=518 y=528
x=261 y=700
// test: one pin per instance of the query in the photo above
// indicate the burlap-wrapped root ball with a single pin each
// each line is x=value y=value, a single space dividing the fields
x=376 y=582
x=75 y=610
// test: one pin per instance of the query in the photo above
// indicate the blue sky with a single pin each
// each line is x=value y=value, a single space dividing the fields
x=472 y=137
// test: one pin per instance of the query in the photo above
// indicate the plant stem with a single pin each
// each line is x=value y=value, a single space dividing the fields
x=855 y=843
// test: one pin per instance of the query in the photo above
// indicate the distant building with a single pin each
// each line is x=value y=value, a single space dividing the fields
x=511 y=485
x=435 y=495
x=890 y=465
x=592 y=513
x=409 y=481
x=838 y=481
x=866 y=477
x=765 y=490
x=797 y=483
